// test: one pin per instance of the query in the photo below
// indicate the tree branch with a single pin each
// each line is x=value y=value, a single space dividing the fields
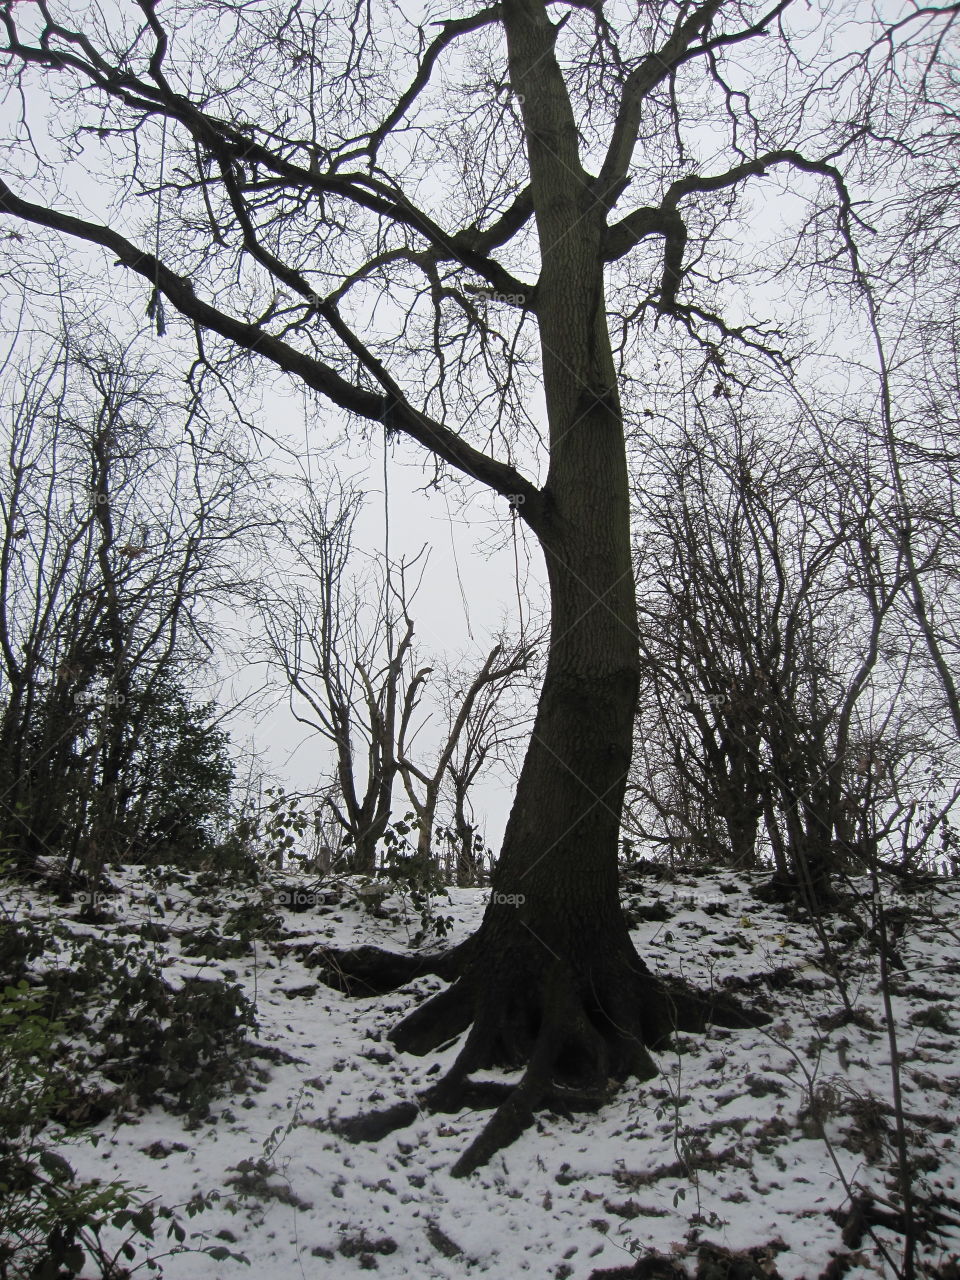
x=654 y=68
x=238 y=142
x=392 y=409
x=667 y=221
x=450 y=29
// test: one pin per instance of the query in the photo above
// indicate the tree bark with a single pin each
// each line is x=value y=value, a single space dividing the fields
x=469 y=867
x=555 y=981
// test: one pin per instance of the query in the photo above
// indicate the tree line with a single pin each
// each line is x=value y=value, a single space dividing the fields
x=791 y=715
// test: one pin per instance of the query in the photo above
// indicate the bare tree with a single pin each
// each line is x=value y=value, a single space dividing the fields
x=118 y=542
x=780 y=680
x=344 y=641
x=469 y=738
x=494 y=733
x=428 y=279
x=345 y=647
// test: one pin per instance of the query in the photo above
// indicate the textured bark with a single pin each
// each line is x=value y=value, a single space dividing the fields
x=469 y=863
x=554 y=983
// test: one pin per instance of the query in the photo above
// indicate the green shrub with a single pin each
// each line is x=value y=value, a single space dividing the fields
x=115 y=1016
x=158 y=1044
x=412 y=875
x=49 y=1221
x=52 y=1224
x=19 y=944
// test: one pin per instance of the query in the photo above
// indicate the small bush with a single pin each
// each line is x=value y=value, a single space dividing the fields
x=52 y=1224
x=118 y=1017
x=415 y=877
x=19 y=944
x=49 y=1221
x=179 y=1048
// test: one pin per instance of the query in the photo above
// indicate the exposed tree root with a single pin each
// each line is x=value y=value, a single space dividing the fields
x=696 y=1009
x=564 y=1027
x=434 y=1023
x=864 y=1213
x=575 y=1031
x=371 y=971
x=655 y=1266
x=483 y=1095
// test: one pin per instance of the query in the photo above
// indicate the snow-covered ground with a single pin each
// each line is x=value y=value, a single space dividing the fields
x=746 y=1140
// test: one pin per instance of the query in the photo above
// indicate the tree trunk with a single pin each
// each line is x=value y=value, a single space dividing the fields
x=554 y=980
x=743 y=825
x=776 y=839
x=427 y=815
x=365 y=821
x=468 y=870
x=363 y=859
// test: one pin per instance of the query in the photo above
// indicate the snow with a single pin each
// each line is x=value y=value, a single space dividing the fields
x=723 y=1147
